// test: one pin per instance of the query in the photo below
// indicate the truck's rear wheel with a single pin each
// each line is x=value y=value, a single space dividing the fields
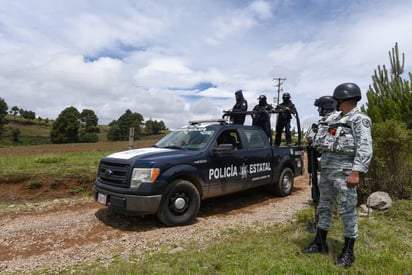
x=284 y=185
x=180 y=203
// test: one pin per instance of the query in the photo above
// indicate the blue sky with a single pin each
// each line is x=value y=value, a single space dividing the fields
x=180 y=60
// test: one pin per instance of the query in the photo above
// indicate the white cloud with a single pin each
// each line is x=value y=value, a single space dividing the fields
x=262 y=9
x=147 y=56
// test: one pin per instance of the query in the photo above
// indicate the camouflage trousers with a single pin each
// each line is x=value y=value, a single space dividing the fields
x=332 y=187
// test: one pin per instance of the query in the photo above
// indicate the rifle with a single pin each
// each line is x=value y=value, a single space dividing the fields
x=228 y=113
x=313 y=166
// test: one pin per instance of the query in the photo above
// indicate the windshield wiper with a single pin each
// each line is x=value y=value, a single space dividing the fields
x=174 y=147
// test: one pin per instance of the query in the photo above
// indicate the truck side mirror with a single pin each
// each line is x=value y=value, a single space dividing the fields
x=223 y=149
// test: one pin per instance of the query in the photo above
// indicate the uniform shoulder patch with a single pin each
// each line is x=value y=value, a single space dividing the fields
x=366 y=122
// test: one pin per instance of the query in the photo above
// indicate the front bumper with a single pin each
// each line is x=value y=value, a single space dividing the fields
x=141 y=205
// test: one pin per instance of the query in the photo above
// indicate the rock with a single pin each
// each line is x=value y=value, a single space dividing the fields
x=379 y=200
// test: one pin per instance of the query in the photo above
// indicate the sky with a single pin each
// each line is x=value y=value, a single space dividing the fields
x=181 y=60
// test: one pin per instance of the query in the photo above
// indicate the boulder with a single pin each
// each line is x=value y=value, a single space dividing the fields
x=379 y=200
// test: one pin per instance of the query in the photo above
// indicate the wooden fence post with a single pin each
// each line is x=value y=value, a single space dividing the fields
x=131 y=138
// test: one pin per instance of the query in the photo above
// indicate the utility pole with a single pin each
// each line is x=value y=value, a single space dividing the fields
x=278 y=85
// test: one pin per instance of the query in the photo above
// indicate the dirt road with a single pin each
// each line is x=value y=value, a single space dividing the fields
x=58 y=235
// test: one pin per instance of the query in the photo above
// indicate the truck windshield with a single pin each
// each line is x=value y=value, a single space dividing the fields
x=186 y=139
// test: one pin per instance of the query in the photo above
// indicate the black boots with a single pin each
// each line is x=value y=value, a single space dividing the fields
x=347 y=258
x=319 y=245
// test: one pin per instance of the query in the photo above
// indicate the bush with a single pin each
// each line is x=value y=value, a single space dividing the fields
x=391 y=166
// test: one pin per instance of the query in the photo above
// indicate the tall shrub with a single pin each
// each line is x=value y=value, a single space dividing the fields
x=390 y=169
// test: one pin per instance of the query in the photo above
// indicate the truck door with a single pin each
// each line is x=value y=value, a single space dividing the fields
x=259 y=158
x=227 y=173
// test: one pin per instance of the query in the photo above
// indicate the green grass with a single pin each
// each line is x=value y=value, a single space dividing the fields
x=61 y=165
x=384 y=246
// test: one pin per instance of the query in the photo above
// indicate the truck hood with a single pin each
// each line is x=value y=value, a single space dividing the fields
x=151 y=153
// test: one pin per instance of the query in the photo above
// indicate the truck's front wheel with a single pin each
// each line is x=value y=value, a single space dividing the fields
x=283 y=187
x=180 y=203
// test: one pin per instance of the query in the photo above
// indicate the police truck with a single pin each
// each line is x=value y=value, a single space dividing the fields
x=201 y=160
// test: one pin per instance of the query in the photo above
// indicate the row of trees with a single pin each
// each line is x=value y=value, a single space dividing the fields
x=14 y=111
x=30 y=115
x=73 y=126
x=119 y=129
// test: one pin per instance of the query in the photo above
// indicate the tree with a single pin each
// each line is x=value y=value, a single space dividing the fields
x=390 y=96
x=3 y=113
x=66 y=127
x=14 y=111
x=119 y=129
x=30 y=115
x=88 y=126
x=154 y=127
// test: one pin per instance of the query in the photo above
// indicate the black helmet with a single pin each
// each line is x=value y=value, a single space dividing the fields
x=262 y=100
x=347 y=91
x=239 y=93
x=262 y=97
x=286 y=96
x=326 y=103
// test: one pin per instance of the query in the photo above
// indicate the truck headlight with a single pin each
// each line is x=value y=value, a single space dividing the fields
x=140 y=175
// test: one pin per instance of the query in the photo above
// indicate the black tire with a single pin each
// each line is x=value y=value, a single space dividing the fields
x=180 y=204
x=284 y=186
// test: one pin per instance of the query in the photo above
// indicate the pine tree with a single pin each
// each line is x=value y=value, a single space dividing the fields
x=390 y=108
x=390 y=96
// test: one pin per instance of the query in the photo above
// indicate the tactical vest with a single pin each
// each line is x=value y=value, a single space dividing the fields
x=336 y=135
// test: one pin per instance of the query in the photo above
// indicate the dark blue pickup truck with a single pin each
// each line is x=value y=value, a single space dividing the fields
x=193 y=163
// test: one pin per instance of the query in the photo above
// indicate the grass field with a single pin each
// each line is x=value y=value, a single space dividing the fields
x=39 y=172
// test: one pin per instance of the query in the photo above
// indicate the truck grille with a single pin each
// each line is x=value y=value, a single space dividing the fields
x=114 y=173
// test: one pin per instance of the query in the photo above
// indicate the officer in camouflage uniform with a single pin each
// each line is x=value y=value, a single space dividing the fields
x=346 y=145
x=326 y=107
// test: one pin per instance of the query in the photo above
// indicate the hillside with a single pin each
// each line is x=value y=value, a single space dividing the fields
x=33 y=132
